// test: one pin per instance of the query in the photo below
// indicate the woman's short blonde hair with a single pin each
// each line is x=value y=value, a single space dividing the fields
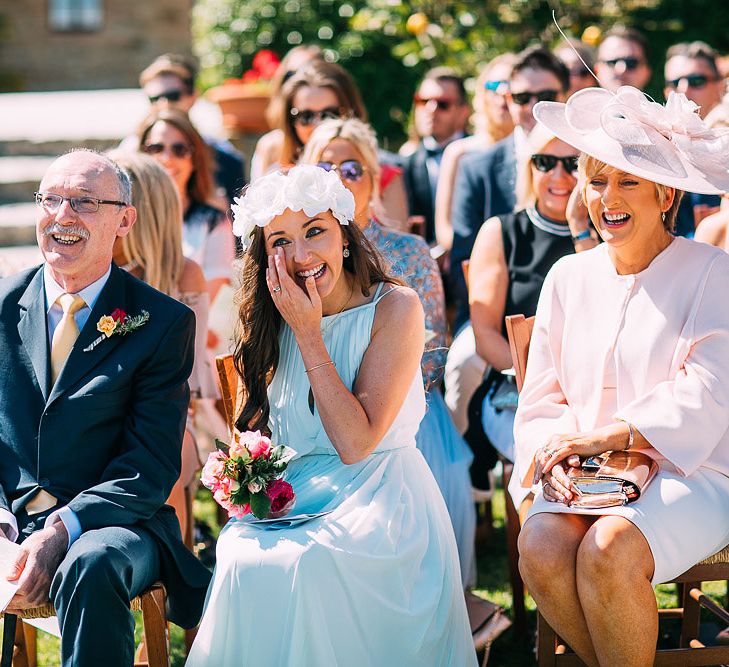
x=359 y=134
x=589 y=167
x=155 y=240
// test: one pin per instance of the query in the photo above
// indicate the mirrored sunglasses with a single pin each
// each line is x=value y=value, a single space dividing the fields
x=309 y=117
x=179 y=150
x=52 y=202
x=349 y=170
x=692 y=81
x=441 y=103
x=493 y=86
x=169 y=95
x=545 y=163
x=630 y=62
x=540 y=96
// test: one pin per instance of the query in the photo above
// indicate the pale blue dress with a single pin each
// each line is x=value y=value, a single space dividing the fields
x=373 y=582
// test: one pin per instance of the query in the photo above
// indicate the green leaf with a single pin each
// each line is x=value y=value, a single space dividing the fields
x=242 y=496
x=221 y=446
x=260 y=504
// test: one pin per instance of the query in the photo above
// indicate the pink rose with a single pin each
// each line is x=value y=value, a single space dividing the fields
x=282 y=497
x=237 y=511
x=256 y=443
x=214 y=470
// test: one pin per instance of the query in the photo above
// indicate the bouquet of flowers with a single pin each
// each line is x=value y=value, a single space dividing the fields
x=245 y=476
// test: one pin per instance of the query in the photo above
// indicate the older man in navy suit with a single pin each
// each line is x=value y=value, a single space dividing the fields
x=93 y=401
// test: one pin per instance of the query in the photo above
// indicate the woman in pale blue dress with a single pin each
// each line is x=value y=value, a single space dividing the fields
x=373 y=577
x=349 y=147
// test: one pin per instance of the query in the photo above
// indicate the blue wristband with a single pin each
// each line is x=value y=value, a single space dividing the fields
x=581 y=236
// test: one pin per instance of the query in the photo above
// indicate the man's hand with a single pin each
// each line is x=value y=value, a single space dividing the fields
x=35 y=566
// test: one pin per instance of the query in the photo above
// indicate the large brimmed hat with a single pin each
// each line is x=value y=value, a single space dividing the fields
x=666 y=144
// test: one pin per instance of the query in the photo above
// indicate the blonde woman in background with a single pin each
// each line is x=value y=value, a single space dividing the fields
x=152 y=252
x=491 y=122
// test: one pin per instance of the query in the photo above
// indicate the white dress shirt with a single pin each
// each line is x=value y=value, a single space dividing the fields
x=54 y=313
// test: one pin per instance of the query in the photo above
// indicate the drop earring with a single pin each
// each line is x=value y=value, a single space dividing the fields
x=345 y=252
x=663 y=216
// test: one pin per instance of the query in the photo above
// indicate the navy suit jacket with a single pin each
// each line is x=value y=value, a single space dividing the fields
x=419 y=191
x=485 y=187
x=105 y=439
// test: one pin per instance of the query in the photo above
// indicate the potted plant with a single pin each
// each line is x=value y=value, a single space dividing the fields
x=243 y=101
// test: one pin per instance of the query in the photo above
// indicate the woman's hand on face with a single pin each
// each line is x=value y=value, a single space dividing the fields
x=301 y=309
x=577 y=215
x=569 y=447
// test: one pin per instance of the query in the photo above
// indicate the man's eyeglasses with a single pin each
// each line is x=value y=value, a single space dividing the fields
x=52 y=202
x=545 y=163
x=349 y=170
x=169 y=95
x=542 y=96
x=697 y=81
x=493 y=86
x=308 y=117
x=441 y=103
x=179 y=150
x=630 y=63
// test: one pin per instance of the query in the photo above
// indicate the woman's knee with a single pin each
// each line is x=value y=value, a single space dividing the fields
x=547 y=547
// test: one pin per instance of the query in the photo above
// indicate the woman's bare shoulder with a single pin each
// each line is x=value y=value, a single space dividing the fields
x=192 y=278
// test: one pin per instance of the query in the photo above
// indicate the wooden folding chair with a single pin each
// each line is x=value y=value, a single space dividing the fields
x=551 y=650
x=19 y=649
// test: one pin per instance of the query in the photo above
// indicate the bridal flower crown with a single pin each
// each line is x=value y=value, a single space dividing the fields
x=305 y=188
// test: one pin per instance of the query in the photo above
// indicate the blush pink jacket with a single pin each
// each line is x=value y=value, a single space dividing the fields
x=651 y=348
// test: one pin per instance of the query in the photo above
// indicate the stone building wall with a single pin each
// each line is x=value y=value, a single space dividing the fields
x=33 y=57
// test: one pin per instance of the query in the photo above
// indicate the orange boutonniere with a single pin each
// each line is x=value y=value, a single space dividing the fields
x=117 y=324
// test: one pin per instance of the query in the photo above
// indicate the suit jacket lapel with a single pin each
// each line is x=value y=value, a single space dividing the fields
x=80 y=363
x=33 y=330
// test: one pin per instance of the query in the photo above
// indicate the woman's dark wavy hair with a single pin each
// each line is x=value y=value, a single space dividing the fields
x=259 y=324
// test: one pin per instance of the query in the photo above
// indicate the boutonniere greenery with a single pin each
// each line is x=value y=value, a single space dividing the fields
x=118 y=323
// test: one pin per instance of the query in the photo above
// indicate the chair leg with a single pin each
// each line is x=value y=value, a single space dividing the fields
x=155 y=627
x=512 y=538
x=691 y=614
x=25 y=645
x=546 y=643
x=9 y=625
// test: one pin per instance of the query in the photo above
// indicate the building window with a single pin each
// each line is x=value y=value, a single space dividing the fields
x=70 y=15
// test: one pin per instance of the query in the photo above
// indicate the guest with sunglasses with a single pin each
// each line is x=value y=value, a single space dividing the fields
x=511 y=257
x=579 y=58
x=440 y=114
x=485 y=187
x=169 y=137
x=491 y=121
x=349 y=147
x=691 y=69
x=622 y=59
x=169 y=83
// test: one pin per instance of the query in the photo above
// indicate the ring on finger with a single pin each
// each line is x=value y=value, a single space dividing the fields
x=276 y=289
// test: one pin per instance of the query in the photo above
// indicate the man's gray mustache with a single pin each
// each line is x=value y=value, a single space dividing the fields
x=60 y=229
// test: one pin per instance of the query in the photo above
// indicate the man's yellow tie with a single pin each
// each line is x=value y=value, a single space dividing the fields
x=66 y=332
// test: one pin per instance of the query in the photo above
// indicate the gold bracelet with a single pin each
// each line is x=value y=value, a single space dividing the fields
x=325 y=363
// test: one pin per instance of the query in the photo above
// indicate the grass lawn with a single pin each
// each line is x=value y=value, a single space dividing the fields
x=509 y=650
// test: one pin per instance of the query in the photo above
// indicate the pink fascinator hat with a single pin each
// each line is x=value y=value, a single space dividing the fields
x=667 y=144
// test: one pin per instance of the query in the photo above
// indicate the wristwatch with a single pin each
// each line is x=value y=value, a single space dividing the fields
x=581 y=236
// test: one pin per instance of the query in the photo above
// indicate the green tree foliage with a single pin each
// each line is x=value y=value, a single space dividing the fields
x=387 y=55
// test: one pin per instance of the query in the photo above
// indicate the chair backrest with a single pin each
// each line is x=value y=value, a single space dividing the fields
x=465 y=264
x=519 y=331
x=228 y=379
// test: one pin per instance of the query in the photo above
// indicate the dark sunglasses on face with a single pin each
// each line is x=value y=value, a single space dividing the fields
x=545 y=163
x=349 y=170
x=630 y=62
x=442 y=104
x=692 y=81
x=493 y=86
x=580 y=73
x=52 y=202
x=169 y=95
x=308 y=117
x=179 y=150
x=541 y=96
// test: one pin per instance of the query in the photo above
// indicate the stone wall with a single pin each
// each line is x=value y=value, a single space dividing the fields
x=133 y=32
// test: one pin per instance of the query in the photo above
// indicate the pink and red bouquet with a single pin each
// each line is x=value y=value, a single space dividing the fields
x=245 y=476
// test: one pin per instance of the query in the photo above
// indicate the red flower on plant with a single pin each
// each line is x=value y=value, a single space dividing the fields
x=118 y=314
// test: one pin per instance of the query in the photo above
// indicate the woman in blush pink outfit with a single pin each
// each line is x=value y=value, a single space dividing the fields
x=630 y=350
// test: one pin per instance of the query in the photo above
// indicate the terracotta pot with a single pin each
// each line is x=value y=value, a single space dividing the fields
x=243 y=106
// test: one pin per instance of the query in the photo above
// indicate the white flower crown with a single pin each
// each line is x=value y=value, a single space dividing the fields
x=305 y=188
